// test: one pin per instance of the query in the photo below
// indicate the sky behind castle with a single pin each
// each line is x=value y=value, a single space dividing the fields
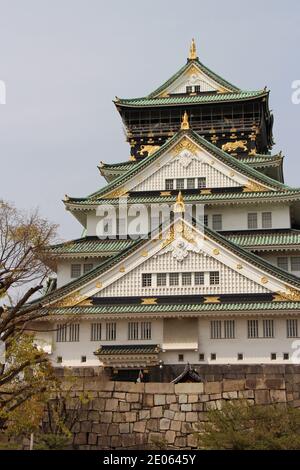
x=64 y=61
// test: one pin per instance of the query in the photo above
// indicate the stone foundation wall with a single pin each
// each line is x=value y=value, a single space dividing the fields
x=150 y=415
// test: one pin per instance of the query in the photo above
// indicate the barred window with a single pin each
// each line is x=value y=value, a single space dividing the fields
x=205 y=220
x=217 y=221
x=283 y=263
x=180 y=183
x=146 y=280
x=197 y=88
x=199 y=279
x=266 y=221
x=95 y=331
x=229 y=329
x=186 y=279
x=111 y=330
x=190 y=184
x=174 y=279
x=61 y=333
x=268 y=328
x=201 y=182
x=216 y=329
x=292 y=328
x=169 y=184
x=214 y=278
x=161 y=279
x=87 y=267
x=75 y=270
x=252 y=220
x=295 y=263
x=252 y=328
x=146 y=330
x=133 y=330
x=74 y=332
x=189 y=89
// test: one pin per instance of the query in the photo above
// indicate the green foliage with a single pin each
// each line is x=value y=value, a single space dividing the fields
x=51 y=441
x=243 y=426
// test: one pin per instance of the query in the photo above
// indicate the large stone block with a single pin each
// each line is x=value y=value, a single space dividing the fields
x=130 y=416
x=119 y=395
x=104 y=442
x=180 y=442
x=182 y=398
x=186 y=428
x=277 y=396
x=116 y=442
x=113 y=430
x=191 y=388
x=139 y=426
x=119 y=417
x=276 y=384
x=164 y=424
x=159 y=388
x=175 y=425
x=124 y=428
x=170 y=399
x=192 y=440
x=179 y=416
x=262 y=397
x=152 y=424
x=230 y=395
x=157 y=412
x=100 y=428
x=80 y=438
x=111 y=404
x=212 y=387
x=106 y=417
x=86 y=426
x=148 y=399
x=130 y=387
x=191 y=417
x=170 y=436
x=123 y=406
x=132 y=397
x=186 y=407
x=159 y=399
x=99 y=404
x=193 y=398
x=93 y=416
x=244 y=394
x=144 y=414
x=169 y=414
x=233 y=385
x=174 y=407
x=92 y=439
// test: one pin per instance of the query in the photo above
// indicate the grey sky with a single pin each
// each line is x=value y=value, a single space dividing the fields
x=63 y=61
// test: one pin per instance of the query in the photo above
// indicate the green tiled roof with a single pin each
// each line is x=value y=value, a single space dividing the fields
x=287 y=238
x=264 y=159
x=117 y=167
x=130 y=349
x=215 y=198
x=190 y=63
x=203 y=307
x=220 y=154
x=90 y=245
x=188 y=99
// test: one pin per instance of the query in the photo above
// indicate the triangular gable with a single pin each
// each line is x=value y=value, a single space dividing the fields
x=250 y=272
x=191 y=141
x=194 y=73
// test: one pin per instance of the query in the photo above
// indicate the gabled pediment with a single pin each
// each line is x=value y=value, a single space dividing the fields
x=181 y=248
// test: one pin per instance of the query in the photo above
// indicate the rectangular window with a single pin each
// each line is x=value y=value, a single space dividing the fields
x=146 y=330
x=174 y=279
x=214 y=278
x=201 y=182
x=83 y=358
x=111 y=330
x=252 y=220
x=180 y=183
x=292 y=328
x=186 y=279
x=286 y=356
x=216 y=329
x=75 y=270
x=240 y=356
x=146 y=280
x=268 y=328
x=295 y=263
x=213 y=356
x=133 y=330
x=283 y=263
x=273 y=356
x=61 y=333
x=180 y=357
x=199 y=279
x=189 y=89
x=169 y=184
x=217 y=221
x=59 y=359
x=197 y=88
x=229 y=329
x=95 y=331
x=205 y=220
x=87 y=267
x=252 y=328
x=190 y=183
x=161 y=279
x=266 y=220
x=201 y=357
x=74 y=332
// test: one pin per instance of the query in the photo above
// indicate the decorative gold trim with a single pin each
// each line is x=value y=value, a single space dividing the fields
x=205 y=191
x=239 y=266
x=193 y=50
x=144 y=254
x=149 y=301
x=232 y=146
x=264 y=280
x=185 y=121
x=120 y=192
x=122 y=269
x=291 y=294
x=179 y=206
x=98 y=285
x=253 y=187
x=184 y=144
x=211 y=300
x=216 y=251
x=165 y=193
x=70 y=300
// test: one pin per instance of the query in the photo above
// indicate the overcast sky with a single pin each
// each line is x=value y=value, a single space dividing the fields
x=63 y=61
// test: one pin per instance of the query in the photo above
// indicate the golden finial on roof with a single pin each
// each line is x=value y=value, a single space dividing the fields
x=185 y=121
x=193 y=50
x=179 y=204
